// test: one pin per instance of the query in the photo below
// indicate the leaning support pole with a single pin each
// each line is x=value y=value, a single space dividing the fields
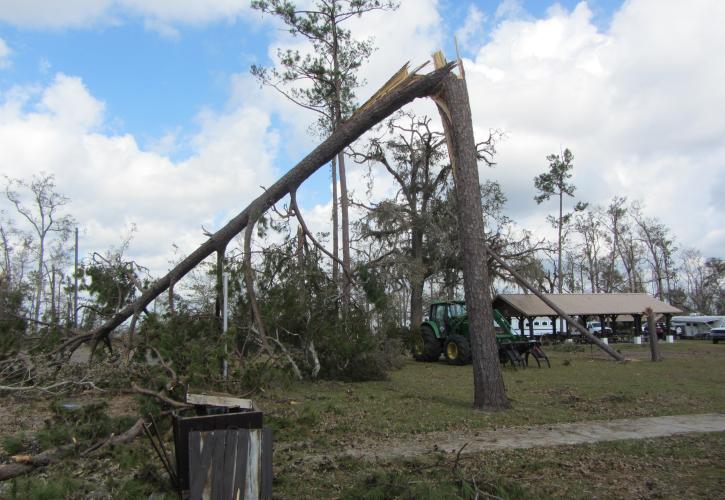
x=605 y=347
x=387 y=101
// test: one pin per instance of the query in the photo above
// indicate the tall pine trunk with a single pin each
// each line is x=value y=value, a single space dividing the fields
x=455 y=110
x=345 y=227
x=335 y=227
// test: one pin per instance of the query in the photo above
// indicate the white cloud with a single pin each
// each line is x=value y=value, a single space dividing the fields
x=53 y=14
x=186 y=11
x=472 y=28
x=159 y=15
x=70 y=104
x=4 y=54
x=638 y=104
x=510 y=9
x=113 y=183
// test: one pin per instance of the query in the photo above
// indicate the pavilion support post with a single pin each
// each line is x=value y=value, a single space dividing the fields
x=668 y=324
x=581 y=328
x=521 y=324
x=637 y=324
x=531 y=328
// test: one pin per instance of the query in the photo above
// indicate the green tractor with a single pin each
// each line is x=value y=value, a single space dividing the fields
x=446 y=330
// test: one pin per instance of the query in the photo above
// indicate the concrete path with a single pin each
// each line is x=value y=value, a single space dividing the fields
x=545 y=435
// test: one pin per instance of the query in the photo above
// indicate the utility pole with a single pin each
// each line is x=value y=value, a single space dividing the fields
x=75 y=285
x=225 y=322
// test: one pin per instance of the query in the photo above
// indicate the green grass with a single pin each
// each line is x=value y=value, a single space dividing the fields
x=672 y=467
x=426 y=397
x=325 y=418
x=315 y=422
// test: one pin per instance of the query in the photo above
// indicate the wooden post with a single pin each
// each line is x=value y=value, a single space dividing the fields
x=652 y=327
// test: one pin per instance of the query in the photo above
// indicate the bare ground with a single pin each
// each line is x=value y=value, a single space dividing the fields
x=540 y=436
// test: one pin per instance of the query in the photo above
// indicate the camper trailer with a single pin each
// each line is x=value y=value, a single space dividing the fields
x=696 y=327
x=542 y=326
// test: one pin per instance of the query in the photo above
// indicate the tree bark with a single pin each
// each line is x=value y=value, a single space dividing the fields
x=652 y=329
x=335 y=226
x=413 y=87
x=455 y=110
x=345 y=226
x=219 y=300
x=417 y=280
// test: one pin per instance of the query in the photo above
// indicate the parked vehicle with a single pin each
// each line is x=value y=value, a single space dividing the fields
x=718 y=332
x=661 y=329
x=446 y=330
x=596 y=328
x=695 y=326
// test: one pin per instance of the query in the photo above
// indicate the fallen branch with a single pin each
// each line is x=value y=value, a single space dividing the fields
x=298 y=214
x=114 y=440
x=26 y=463
x=48 y=389
x=291 y=361
x=413 y=86
x=160 y=396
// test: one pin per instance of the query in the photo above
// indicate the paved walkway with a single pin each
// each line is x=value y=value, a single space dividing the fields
x=546 y=435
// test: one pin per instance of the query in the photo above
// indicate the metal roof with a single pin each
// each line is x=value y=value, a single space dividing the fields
x=590 y=304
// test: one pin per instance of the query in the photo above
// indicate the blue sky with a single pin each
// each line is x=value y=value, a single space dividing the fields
x=161 y=90
x=152 y=84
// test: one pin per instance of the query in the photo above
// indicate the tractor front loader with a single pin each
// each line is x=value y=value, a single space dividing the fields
x=445 y=330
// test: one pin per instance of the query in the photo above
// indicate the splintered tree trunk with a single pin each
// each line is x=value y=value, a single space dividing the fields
x=455 y=110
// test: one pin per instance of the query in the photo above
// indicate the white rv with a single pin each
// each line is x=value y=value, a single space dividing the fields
x=695 y=327
x=542 y=326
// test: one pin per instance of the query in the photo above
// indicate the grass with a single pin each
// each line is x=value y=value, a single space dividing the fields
x=426 y=397
x=673 y=467
x=315 y=422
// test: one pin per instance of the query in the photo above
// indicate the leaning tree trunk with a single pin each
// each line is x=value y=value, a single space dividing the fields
x=386 y=103
x=455 y=110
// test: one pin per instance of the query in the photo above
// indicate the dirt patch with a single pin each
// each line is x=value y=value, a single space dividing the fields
x=541 y=436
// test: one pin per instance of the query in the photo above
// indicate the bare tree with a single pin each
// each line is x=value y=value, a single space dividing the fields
x=42 y=211
x=655 y=237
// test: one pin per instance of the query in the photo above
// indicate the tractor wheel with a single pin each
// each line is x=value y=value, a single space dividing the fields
x=457 y=350
x=430 y=347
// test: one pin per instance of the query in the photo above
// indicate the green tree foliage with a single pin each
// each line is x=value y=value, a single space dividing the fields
x=553 y=183
x=324 y=79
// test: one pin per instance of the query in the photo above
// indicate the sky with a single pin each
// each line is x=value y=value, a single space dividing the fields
x=147 y=115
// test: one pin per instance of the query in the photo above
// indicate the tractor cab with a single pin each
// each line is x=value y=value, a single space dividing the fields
x=443 y=313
